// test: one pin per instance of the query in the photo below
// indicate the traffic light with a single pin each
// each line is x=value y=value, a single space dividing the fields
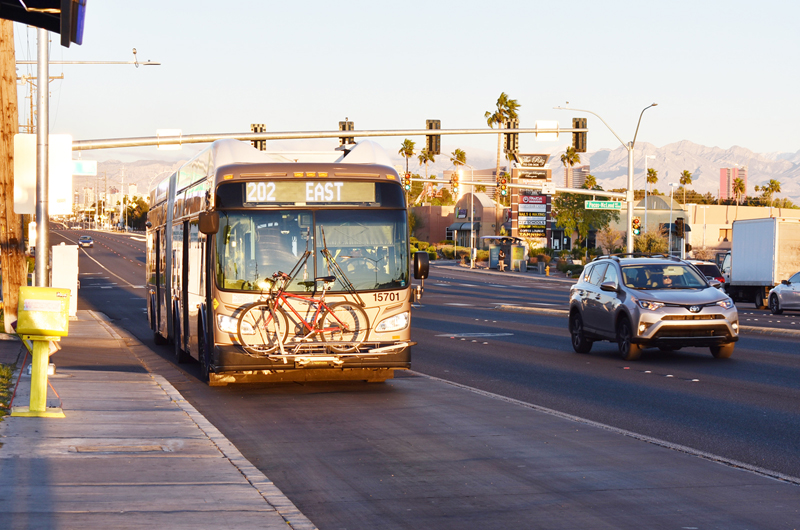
x=346 y=126
x=637 y=226
x=579 y=138
x=433 y=142
x=261 y=145
x=679 y=228
x=511 y=140
x=58 y=16
x=503 y=186
x=454 y=183
x=407 y=181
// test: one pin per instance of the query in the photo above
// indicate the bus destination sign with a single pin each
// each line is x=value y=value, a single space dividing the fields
x=308 y=191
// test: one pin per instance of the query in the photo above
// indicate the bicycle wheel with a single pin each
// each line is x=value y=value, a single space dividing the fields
x=258 y=332
x=344 y=323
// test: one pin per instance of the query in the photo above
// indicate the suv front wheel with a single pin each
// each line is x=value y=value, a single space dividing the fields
x=579 y=341
x=627 y=349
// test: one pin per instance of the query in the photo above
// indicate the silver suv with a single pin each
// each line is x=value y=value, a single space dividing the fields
x=641 y=301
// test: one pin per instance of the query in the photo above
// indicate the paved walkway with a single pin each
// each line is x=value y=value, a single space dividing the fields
x=130 y=453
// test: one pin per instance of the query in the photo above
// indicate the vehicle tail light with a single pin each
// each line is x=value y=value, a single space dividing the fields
x=720 y=279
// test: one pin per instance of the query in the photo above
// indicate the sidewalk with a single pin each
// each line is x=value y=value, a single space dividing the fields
x=130 y=453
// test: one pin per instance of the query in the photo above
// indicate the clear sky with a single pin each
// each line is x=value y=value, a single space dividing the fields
x=723 y=73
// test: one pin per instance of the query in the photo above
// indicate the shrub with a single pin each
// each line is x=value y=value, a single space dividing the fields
x=432 y=254
x=422 y=245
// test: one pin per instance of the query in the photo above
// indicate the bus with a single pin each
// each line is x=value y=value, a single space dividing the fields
x=233 y=217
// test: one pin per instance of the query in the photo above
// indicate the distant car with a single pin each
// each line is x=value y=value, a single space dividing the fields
x=641 y=302
x=710 y=270
x=786 y=295
x=86 y=241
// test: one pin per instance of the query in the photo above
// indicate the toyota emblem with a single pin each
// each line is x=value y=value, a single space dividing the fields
x=694 y=309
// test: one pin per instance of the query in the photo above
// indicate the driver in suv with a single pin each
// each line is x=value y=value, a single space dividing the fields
x=639 y=301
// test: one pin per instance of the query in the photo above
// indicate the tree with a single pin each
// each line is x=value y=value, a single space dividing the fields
x=771 y=188
x=505 y=110
x=571 y=215
x=458 y=158
x=609 y=239
x=406 y=151
x=738 y=192
x=13 y=265
x=590 y=183
x=650 y=243
x=425 y=156
x=570 y=157
x=685 y=180
x=652 y=178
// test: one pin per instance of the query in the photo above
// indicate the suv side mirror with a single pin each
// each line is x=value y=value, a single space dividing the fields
x=209 y=222
x=715 y=283
x=786 y=282
x=421 y=265
x=609 y=286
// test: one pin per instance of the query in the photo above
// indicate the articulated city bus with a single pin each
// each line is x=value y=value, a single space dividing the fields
x=234 y=222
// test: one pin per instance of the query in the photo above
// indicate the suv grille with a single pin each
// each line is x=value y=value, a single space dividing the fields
x=693 y=317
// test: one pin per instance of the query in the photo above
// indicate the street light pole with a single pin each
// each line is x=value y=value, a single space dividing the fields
x=629 y=146
x=471 y=214
x=41 y=271
x=645 y=189
x=669 y=238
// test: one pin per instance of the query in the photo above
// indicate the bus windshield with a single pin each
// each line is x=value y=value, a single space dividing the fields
x=370 y=247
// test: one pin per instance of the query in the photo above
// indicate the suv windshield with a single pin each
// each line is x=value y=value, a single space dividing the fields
x=662 y=276
x=371 y=247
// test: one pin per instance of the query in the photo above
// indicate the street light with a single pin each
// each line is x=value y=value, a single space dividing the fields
x=645 y=190
x=629 y=146
x=672 y=186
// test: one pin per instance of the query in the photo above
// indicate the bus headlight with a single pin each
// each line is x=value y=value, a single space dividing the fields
x=393 y=323
x=228 y=324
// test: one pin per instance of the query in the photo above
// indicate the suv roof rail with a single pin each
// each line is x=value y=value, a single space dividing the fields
x=619 y=255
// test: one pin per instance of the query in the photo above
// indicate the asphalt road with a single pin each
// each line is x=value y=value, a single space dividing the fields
x=416 y=452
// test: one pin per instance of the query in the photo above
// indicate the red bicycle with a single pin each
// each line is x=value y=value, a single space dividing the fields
x=263 y=327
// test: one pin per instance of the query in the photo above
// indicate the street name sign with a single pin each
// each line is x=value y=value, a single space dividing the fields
x=602 y=205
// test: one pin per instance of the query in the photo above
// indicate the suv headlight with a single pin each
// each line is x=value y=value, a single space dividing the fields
x=727 y=303
x=647 y=304
x=228 y=324
x=395 y=323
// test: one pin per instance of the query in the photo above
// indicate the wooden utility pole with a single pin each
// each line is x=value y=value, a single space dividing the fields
x=12 y=254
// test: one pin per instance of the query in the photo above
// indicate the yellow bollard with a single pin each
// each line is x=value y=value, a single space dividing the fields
x=43 y=318
x=547 y=271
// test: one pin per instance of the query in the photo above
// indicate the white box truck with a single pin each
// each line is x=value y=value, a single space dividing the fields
x=764 y=252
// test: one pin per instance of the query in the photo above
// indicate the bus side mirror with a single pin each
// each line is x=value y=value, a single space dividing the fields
x=209 y=222
x=421 y=261
x=148 y=224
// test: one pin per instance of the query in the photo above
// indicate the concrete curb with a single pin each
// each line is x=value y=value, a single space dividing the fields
x=562 y=313
x=271 y=494
x=293 y=517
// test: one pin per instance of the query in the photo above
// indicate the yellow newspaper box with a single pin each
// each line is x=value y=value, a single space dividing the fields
x=43 y=311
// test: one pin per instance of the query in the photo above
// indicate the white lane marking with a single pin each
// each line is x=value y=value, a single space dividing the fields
x=655 y=441
x=442 y=284
x=129 y=284
x=460 y=305
x=138 y=239
x=471 y=335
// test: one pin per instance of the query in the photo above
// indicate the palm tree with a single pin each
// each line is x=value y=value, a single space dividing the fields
x=652 y=178
x=506 y=109
x=685 y=180
x=458 y=157
x=426 y=156
x=738 y=192
x=590 y=183
x=569 y=157
x=772 y=187
x=406 y=151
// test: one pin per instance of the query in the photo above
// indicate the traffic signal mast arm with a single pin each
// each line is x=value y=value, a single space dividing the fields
x=85 y=145
x=577 y=191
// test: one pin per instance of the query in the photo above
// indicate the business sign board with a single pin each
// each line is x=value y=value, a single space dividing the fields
x=531 y=160
x=532 y=216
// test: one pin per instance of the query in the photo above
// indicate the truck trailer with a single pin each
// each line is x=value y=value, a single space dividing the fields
x=764 y=253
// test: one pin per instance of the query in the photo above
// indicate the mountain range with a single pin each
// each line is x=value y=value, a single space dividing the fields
x=609 y=166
